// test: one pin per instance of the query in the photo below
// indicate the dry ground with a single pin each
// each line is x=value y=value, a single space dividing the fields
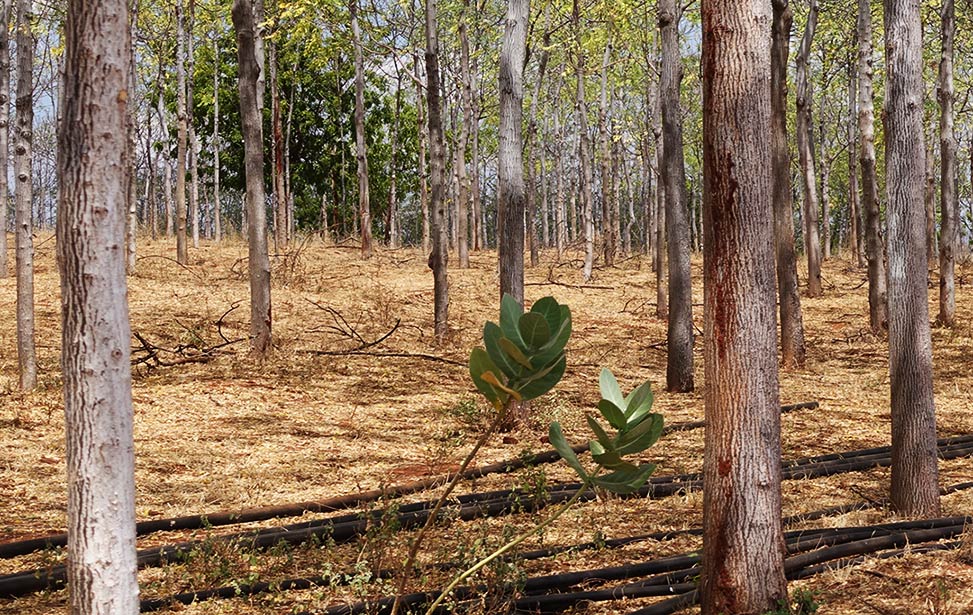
x=230 y=433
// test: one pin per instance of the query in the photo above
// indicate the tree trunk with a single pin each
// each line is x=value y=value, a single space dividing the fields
x=584 y=153
x=793 y=353
x=439 y=257
x=560 y=207
x=929 y=206
x=462 y=176
x=948 y=201
x=812 y=241
x=545 y=189
x=854 y=203
x=679 y=338
x=23 y=166
x=277 y=151
x=131 y=188
x=915 y=486
x=531 y=146
x=743 y=542
x=825 y=189
x=392 y=216
x=193 y=141
x=217 y=213
x=661 y=268
x=877 y=300
x=510 y=160
x=182 y=253
x=245 y=15
x=423 y=137
x=92 y=180
x=361 y=153
x=5 y=9
x=607 y=224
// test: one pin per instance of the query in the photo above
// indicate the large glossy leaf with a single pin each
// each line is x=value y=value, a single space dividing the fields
x=612 y=414
x=534 y=330
x=610 y=389
x=606 y=441
x=510 y=313
x=492 y=379
x=548 y=308
x=491 y=340
x=515 y=353
x=556 y=436
x=539 y=386
x=480 y=364
x=606 y=458
x=642 y=436
x=638 y=402
x=625 y=480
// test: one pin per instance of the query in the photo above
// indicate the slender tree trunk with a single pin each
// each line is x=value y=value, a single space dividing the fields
x=743 y=542
x=423 y=167
x=915 y=484
x=679 y=339
x=948 y=201
x=531 y=146
x=249 y=56
x=793 y=351
x=277 y=152
x=24 y=197
x=439 y=257
x=929 y=201
x=854 y=203
x=192 y=139
x=661 y=266
x=812 y=241
x=217 y=208
x=392 y=219
x=877 y=300
x=462 y=176
x=545 y=186
x=151 y=207
x=131 y=225
x=607 y=224
x=92 y=178
x=165 y=160
x=182 y=253
x=560 y=207
x=584 y=152
x=825 y=189
x=510 y=159
x=648 y=198
x=5 y=9
x=361 y=153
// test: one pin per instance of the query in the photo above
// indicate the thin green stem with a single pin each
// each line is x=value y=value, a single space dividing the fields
x=510 y=545
x=457 y=476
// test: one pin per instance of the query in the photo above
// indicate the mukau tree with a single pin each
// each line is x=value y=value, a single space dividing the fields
x=743 y=544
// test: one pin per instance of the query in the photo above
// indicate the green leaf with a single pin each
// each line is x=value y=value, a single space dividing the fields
x=558 y=341
x=510 y=313
x=556 y=436
x=534 y=330
x=605 y=458
x=548 y=308
x=492 y=379
x=604 y=439
x=612 y=414
x=480 y=363
x=642 y=436
x=634 y=402
x=515 y=353
x=491 y=339
x=625 y=480
x=610 y=389
x=540 y=385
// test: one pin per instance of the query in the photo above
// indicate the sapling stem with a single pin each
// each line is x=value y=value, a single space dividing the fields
x=410 y=559
x=510 y=545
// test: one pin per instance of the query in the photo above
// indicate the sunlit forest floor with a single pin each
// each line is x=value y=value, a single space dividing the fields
x=227 y=433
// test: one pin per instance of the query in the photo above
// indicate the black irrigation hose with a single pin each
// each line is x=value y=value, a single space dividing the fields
x=349 y=527
x=345 y=502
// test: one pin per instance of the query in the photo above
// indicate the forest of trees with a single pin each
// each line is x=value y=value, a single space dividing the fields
x=755 y=132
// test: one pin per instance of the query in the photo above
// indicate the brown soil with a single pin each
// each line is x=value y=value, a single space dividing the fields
x=230 y=433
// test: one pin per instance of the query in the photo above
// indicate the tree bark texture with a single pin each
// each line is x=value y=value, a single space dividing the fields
x=948 y=201
x=679 y=338
x=361 y=152
x=24 y=196
x=812 y=240
x=217 y=209
x=531 y=146
x=915 y=488
x=825 y=173
x=462 y=139
x=277 y=151
x=743 y=543
x=609 y=247
x=131 y=187
x=929 y=199
x=422 y=128
x=182 y=135
x=191 y=136
x=793 y=352
x=92 y=204
x=5 y=10
x=854 y=200
x=875 y=251
x=439 y=257
x=510 y=159
x=245 y=22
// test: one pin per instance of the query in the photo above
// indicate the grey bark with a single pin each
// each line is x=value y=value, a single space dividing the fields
x=929 y=200
x=5 y=10
x=812 y=240
x=439 y=257
x=584 y=152
x=92 y=181
x=743 y=543
x=948 y=201
x=854 y=200
x=182 y=135
x=531 y=146
x=217 y=208
x=679 y=338
x=793 y=352
x=191 y=136
x=277 y=152
x=915 y=485
x=23 y=197
x=877 y=283
x=609 y=246
x=462 y=175
x=512 y=195
x=361 y=152
x=245 y=16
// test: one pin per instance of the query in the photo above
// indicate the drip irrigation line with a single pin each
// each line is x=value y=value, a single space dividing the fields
x=349 y=527
x=252 y=515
